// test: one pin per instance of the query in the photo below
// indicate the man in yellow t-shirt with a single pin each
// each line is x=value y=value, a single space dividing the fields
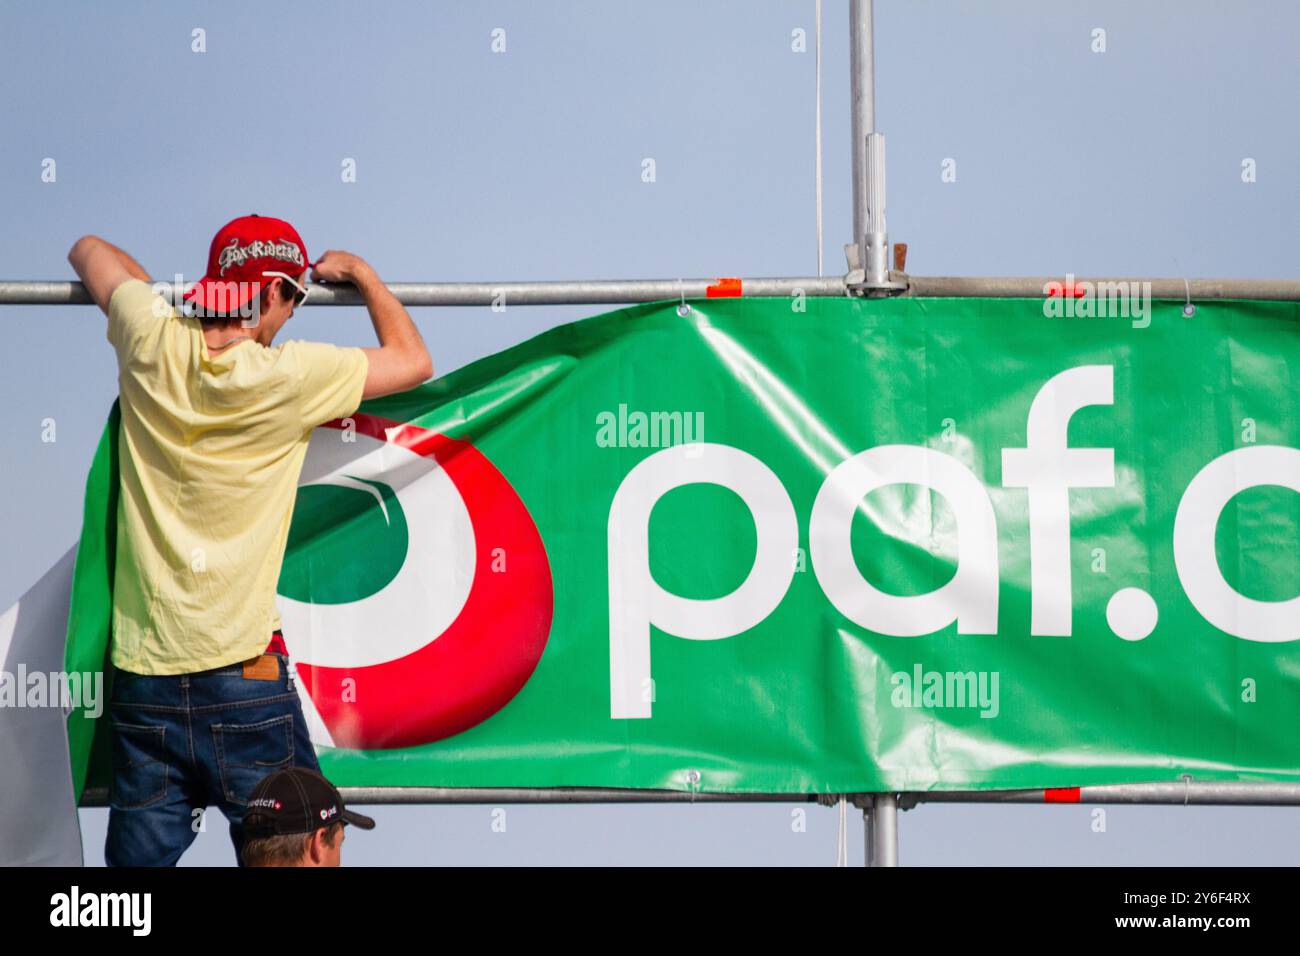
x=214 y=429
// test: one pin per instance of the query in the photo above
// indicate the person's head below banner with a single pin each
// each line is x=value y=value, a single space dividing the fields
x=256 y=277
x=295 y=817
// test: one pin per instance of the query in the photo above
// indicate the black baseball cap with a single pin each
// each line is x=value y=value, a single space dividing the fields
x=296 y=800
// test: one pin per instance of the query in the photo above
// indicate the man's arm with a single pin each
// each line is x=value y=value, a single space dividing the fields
x=103 y=267
x=401 y=361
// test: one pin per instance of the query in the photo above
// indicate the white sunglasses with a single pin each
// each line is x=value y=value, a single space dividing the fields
x=305 y=290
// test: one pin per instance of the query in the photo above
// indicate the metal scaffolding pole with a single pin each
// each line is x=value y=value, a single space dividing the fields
x=496 y=294
x=626 y=291
x=868 y=253
x=862 y=92
x=1185 y=793
x=884 y=825
x=494 y=796
x=1001 y=287
x=1189 y=793
x=880 y=825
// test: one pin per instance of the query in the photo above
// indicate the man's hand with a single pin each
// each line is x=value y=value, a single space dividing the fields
x=338 y=266
x=401 y=361
x=103 y=267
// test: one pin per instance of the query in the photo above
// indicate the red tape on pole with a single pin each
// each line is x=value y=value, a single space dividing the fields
x=724 y=289
x=1061 y=795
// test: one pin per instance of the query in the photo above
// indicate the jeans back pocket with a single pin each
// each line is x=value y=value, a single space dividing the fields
x=139 y=765
x=248 y=752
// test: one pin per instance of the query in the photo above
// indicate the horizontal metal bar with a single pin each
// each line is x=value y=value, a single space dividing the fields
x=1155 y=794
x=495 y=795
x=603 y=292
x=1035 y=287
x=624 y=291
x=1227 y=793
x=98 y=796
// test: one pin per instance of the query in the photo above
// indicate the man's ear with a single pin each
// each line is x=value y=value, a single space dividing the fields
x=316 y=846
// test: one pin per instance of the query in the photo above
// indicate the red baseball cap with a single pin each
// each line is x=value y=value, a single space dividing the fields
x=242 y=251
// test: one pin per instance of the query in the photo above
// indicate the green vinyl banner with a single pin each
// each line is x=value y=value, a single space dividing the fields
x=801 y=545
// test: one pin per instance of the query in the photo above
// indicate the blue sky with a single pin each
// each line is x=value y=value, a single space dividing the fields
x=527 y=165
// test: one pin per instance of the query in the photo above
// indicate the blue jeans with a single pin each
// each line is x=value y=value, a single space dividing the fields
x=182 y=743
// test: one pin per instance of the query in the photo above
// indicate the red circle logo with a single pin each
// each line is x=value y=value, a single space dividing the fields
x=459 y=621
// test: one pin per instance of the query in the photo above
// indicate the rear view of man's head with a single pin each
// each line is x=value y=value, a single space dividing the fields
x=256 y=275
x=295 y=817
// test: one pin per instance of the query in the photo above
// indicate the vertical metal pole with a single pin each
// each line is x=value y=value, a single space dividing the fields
x=817 y=138
x=870 y=234
x=881 y=825
x=876 y=241
x=862 y=79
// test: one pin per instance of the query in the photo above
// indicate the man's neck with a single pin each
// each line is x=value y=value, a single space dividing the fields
x=219 y=337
